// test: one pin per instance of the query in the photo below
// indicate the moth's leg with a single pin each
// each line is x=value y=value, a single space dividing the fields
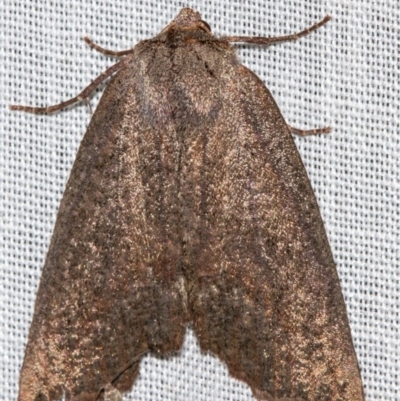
x=268 y=41
x=260 y=40
x=111 y=393
x=124 y=381
x=315 y=131
x=106 y=51
x=84 y=95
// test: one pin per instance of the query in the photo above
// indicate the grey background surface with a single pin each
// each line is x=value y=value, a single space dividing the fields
x=346 y=76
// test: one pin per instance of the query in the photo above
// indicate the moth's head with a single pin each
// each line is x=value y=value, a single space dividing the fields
x=187 y=19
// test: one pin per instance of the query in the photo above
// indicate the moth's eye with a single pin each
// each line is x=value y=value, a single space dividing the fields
x=206 y=27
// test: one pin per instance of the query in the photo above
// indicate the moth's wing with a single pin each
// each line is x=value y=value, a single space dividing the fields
x=109 y=290
x=267 y=298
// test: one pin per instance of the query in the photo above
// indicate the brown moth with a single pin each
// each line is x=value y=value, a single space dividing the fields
x=188 y=203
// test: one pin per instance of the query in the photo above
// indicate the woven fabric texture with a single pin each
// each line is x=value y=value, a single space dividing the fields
x=346 y=75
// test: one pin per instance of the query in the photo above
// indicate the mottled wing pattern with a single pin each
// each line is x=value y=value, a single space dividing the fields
x=110 y=290
x=266 y=296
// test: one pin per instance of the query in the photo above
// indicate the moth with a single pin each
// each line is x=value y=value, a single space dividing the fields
x=188 y=204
